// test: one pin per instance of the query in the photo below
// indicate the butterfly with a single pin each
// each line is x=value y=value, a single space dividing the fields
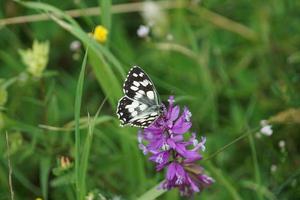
x=140 y=106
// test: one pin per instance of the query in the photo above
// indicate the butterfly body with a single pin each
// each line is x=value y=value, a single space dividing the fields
x=140 y=106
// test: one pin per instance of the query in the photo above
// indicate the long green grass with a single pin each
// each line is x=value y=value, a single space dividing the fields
x=232 y=63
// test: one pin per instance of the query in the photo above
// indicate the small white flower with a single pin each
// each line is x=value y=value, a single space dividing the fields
x=281 y=144
x=152 y=12
x=266 y=130
x=143 y=31
x=156 y=18
x=273 y=168
x=75 y=45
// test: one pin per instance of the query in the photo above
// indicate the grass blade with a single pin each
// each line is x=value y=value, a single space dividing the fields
x=153 y=193
x=45 y=166
x=103 y=72
x=77 y=109
x=220 y=177
x=86 y=151
x=256 y=167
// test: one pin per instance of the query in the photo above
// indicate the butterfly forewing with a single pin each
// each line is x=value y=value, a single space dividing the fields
x=139 y=86
x=140 y=106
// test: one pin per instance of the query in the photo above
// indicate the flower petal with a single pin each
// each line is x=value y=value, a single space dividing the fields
x=181 y=127
x=174 y=113
x=192 y=184
x=171 y=171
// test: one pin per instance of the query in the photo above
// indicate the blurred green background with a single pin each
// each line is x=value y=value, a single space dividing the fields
x=233 y=63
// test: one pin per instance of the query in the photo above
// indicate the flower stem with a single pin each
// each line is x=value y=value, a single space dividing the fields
x=231 y=143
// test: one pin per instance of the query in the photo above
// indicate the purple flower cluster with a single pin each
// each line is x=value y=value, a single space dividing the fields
x=165 y=142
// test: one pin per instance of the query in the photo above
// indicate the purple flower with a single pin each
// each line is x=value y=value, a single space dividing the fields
x=165 y=142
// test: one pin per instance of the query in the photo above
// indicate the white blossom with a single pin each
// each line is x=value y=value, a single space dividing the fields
x=266 y=129
x=143 y=31
x=273 y=168
x=75 y=45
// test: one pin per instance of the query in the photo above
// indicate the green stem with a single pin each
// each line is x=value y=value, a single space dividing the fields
x=255 y=163
x=231 y=143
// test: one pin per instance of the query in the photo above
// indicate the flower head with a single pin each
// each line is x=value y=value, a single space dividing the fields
x=100 y=34
x=75 y=45
x=165 y=142
x=36 y=58
x=65 y=162
x=143 y=31
x=266 y=129
x=155 y=17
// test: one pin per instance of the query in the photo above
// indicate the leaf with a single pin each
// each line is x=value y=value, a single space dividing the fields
x=153 y=193
x=78 y=98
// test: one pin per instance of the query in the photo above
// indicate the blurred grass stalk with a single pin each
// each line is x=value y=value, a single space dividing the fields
x=12 y=194
x=225 y=23
x=94 y=11
x=105 y=13
x=204 y=13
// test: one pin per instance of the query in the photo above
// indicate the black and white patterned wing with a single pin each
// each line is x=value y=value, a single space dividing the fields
x=135 y=113
x=139 y=86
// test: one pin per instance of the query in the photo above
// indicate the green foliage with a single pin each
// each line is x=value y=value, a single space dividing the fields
x=232 y=63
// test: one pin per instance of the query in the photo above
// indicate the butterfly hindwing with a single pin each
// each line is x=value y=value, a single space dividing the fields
x=139 y=86
x=145 y=120
x=135 y=113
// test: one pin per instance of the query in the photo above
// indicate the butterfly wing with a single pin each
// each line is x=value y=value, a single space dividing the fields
x=135 y=113
x=139 y=86
x=140 y=105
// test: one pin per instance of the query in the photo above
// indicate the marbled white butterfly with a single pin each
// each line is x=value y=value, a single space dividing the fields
x=140 y=106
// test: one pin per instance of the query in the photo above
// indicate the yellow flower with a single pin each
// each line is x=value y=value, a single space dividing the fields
x=38 y=198
x=100 y=34
x=36 y=58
